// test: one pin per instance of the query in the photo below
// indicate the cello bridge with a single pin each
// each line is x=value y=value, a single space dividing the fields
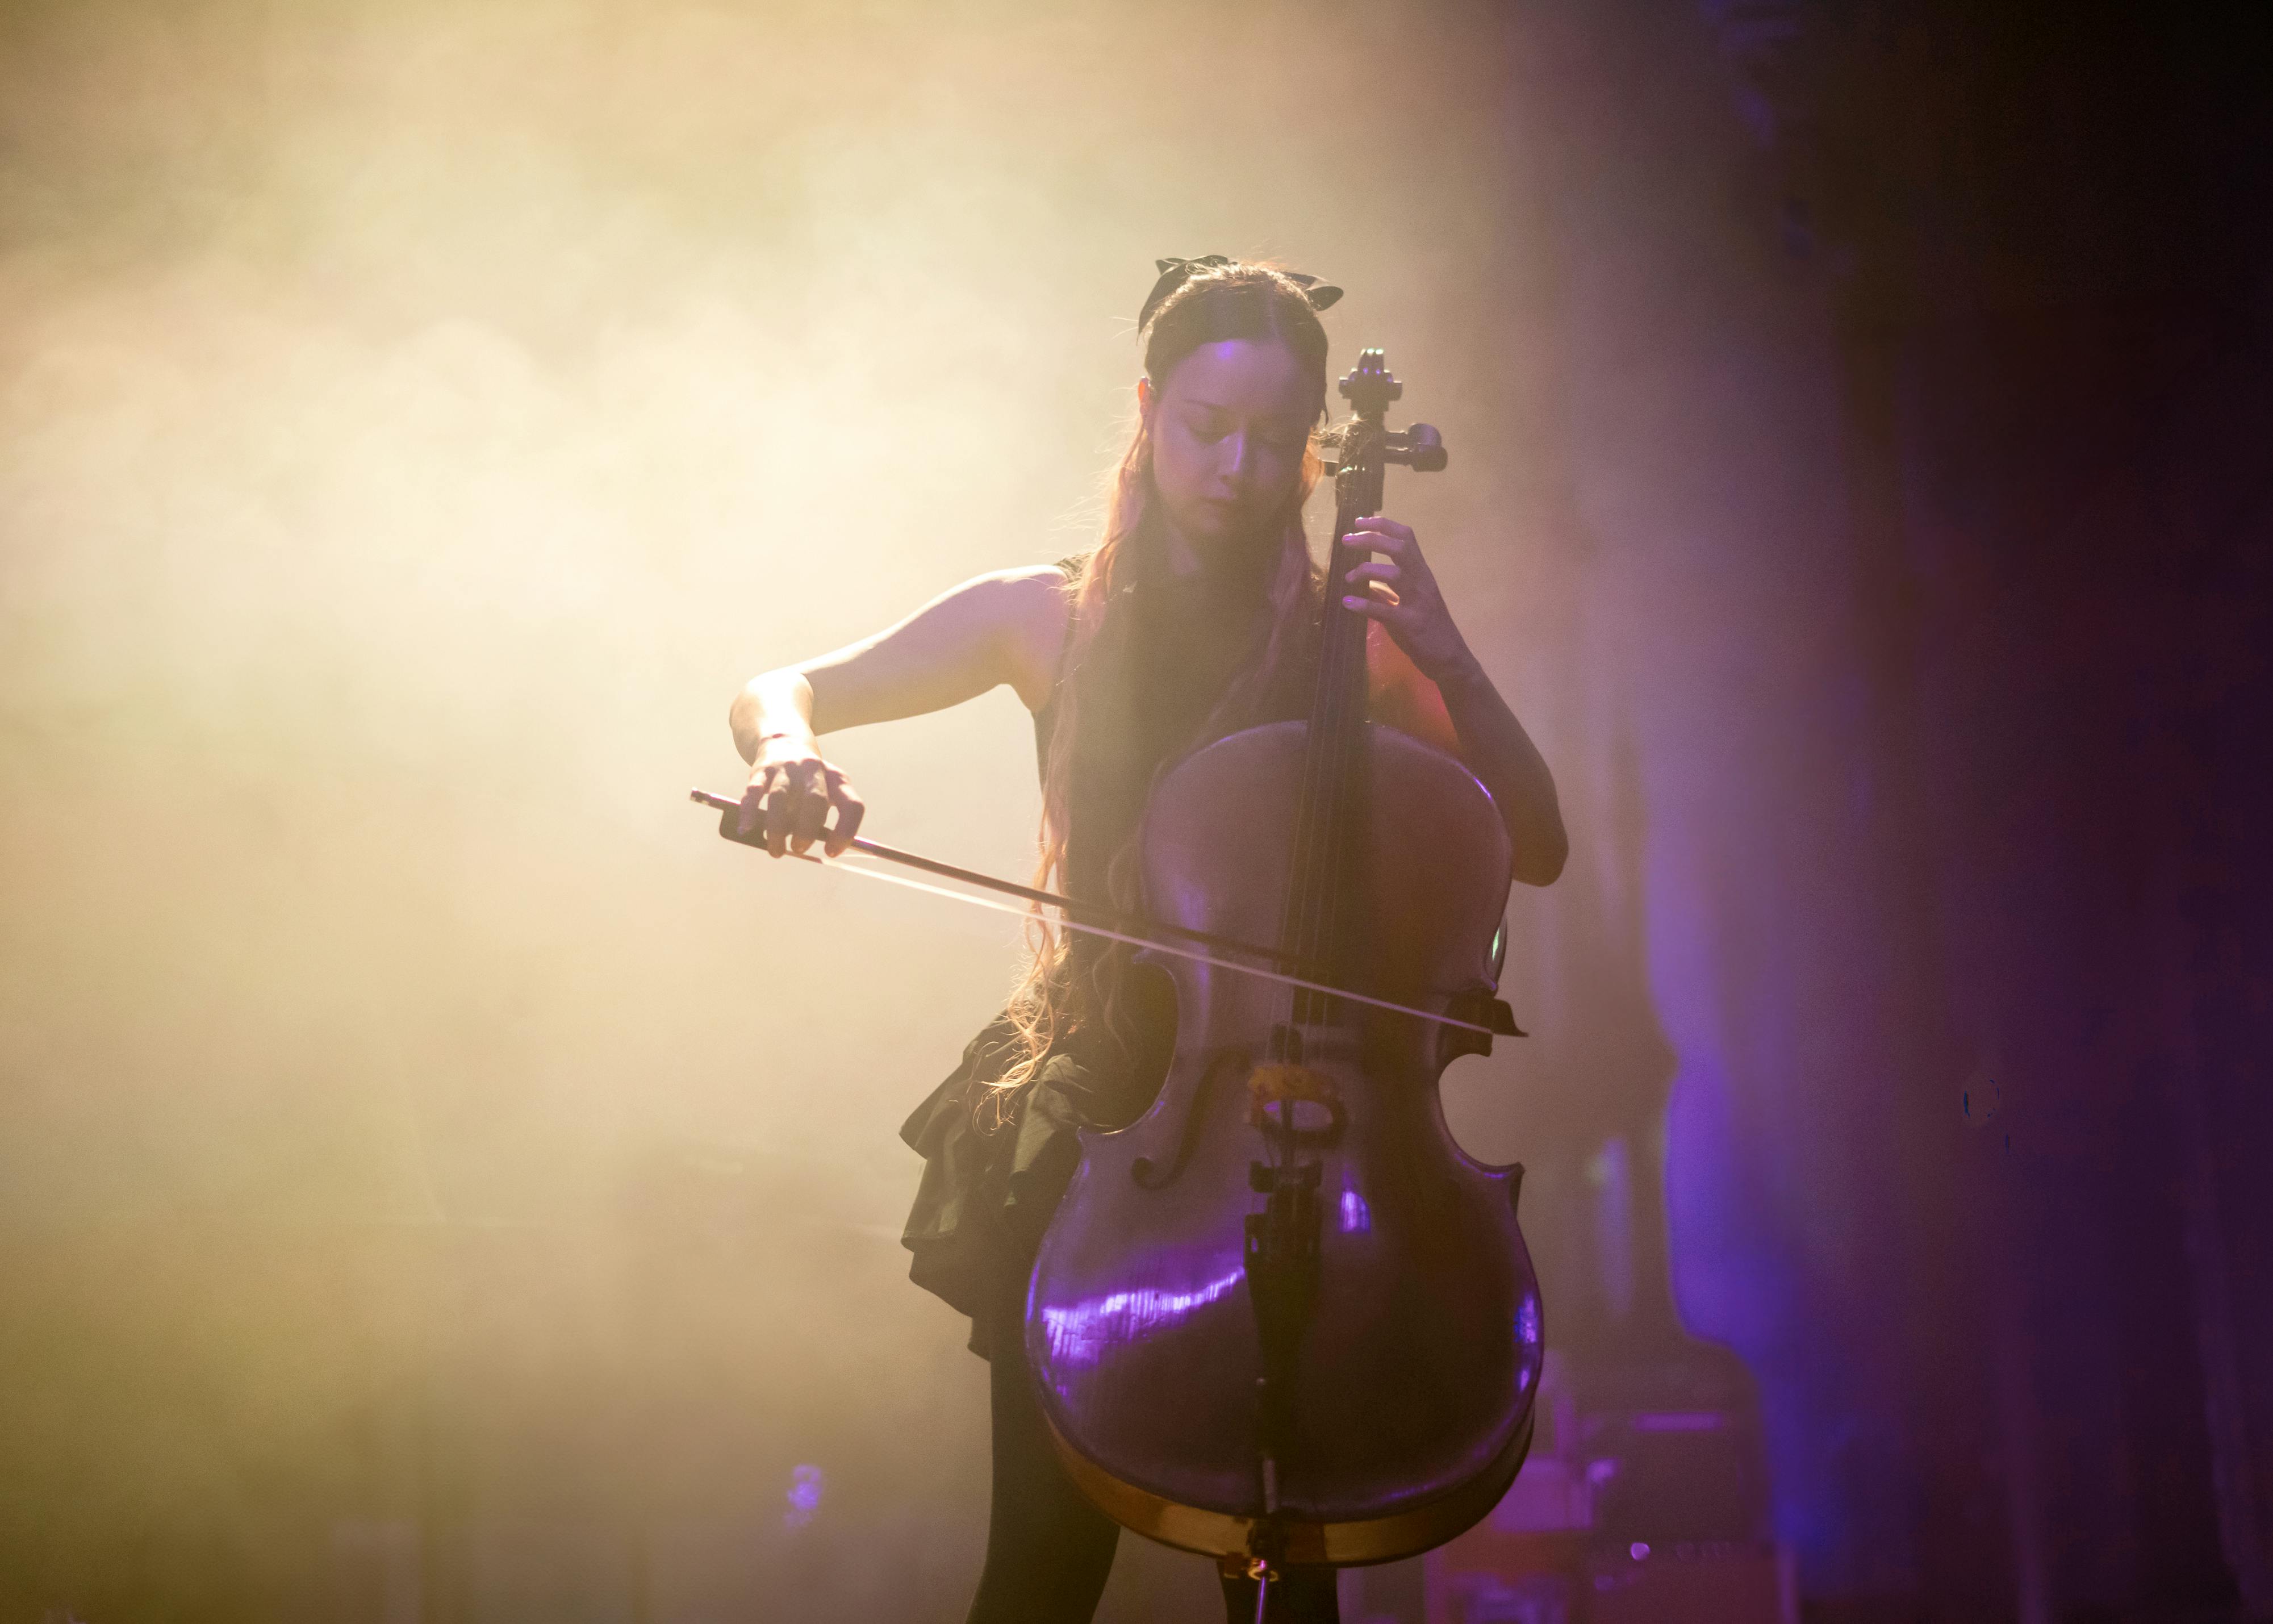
x=1291 y=1089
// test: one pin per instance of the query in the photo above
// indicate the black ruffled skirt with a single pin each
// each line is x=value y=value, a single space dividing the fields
x=997 y=1161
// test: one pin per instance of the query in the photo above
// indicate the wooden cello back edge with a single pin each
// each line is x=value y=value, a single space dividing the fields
x=1359 y=1543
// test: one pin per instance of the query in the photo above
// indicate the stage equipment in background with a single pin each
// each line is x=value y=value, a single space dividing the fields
x=1627 y=1513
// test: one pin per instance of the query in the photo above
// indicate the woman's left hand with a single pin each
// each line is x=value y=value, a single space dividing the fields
x=1402 y=595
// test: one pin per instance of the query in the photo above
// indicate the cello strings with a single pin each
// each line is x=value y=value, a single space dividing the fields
x=1193 y=953
x=1313 y=827
x=1318 y=870
x=1341 y=750
x=1299 y=928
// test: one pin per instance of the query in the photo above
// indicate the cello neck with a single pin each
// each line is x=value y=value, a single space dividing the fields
x=1321 y=899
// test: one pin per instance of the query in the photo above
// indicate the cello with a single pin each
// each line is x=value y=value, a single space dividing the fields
x=1283 y=1317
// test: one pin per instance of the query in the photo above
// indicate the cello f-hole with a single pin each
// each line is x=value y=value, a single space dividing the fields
x=1148 y=1175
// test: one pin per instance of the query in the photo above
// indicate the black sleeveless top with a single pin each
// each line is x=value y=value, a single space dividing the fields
x=997 y=1161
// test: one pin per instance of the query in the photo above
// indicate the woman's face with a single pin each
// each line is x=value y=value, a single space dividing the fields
x=1229 y=433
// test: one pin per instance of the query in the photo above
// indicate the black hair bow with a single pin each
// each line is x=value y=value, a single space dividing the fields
x=1175 y=273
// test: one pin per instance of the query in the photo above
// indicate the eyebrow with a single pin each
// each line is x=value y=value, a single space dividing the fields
x=1289 y=415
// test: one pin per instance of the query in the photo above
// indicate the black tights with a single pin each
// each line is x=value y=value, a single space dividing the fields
x=1048 y=1549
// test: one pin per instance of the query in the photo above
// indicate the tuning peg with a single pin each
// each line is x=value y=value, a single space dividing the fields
x=1419 y=448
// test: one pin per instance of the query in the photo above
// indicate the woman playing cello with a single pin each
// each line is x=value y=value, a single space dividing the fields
x=1195 y=616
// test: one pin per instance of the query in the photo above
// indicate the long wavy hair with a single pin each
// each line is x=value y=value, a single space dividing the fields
x=1063 y=988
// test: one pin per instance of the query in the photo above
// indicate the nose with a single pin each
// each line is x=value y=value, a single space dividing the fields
x=1238 y=456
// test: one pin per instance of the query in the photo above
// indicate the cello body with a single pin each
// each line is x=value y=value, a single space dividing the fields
x=1408 y=1409
x=1283 y=1317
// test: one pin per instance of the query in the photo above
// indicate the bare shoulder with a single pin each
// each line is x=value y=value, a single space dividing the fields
x=1029 y=606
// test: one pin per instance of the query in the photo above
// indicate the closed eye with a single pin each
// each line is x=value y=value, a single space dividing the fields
x=1278 y=436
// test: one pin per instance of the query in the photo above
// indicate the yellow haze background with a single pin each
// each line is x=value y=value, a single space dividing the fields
x=415 y=422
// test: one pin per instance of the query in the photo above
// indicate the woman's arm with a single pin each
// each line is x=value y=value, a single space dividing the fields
x=1491 y=741
x=1002 y=627
x=1497 y=747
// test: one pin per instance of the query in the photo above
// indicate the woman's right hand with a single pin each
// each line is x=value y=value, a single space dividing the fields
x=790 y=794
